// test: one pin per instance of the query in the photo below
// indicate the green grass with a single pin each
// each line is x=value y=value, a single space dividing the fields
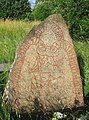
x=82 y=51
x=11 y=33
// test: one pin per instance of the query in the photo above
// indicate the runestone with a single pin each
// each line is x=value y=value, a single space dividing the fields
x=45 y=75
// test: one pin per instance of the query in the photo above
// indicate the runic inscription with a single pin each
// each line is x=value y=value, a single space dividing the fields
x=45 y=75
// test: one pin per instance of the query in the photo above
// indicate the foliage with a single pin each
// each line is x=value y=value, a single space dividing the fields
x=82 y=50
x=38 y=1
x=75 y=12
x=42 y=10
x=85 y=117
x=14 y=9
x=4 y=114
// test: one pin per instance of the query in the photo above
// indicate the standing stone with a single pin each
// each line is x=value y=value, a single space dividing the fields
x=45 y=75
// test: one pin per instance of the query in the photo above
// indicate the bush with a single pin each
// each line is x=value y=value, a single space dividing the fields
x=42 y=10
x=75 y=12
x=14 y=9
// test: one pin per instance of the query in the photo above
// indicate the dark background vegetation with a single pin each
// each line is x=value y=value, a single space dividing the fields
x=76 y=15
x=14 y=9
x=75 y=12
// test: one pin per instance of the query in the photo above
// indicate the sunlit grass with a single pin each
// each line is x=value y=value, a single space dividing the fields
x=11 y=33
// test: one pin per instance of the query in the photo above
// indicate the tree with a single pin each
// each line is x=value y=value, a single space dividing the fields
x=37 y=1
x=75 y=12
x=14 y=9
x=42 y=9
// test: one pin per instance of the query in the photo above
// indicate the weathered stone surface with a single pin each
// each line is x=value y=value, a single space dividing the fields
x=45 y=74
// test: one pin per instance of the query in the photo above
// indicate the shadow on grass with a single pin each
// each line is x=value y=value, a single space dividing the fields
x=71 y=114
x=82 y=73
x=81 y=67
x=32 y=116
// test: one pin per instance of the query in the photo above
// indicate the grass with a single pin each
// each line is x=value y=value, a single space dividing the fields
x=82 y=51
x=11 y=33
